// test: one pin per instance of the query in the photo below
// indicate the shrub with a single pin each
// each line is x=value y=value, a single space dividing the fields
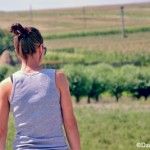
x=92 y=81
x=5 y=40
x=142 y=86
x=98 y=76
x=79 y=83
x=5 y=71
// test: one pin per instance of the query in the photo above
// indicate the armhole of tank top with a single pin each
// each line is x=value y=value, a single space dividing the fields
x=13 y=89
x=58 y=91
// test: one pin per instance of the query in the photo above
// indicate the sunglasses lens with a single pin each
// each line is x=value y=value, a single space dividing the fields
x=45 y=50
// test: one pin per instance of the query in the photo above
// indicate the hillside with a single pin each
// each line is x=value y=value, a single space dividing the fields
x=88 y=29
x=79 y=19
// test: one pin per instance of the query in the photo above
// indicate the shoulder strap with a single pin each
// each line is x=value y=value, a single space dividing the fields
x=11 y=77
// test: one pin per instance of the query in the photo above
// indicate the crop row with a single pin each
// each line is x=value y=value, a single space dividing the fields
x=96 y=80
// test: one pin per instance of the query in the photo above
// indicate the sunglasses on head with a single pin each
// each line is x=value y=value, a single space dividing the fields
x=45 y=50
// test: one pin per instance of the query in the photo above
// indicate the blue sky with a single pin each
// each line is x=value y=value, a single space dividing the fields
x=10 y=5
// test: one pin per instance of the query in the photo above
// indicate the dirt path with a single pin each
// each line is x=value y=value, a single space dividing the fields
x=112 y=105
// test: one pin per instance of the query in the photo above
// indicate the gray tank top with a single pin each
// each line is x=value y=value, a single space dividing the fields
x=35 y=104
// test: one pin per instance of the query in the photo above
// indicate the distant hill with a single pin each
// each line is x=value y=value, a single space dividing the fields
x=79 y=19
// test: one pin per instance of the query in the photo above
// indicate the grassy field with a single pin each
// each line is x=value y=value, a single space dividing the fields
x=111 y=126
x=93 y=35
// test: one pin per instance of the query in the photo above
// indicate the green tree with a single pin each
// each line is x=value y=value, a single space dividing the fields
x=5 y=40
x=98 y=76
x=6 y=70
x=116 y=83
x=79 y=83
x=142 y=86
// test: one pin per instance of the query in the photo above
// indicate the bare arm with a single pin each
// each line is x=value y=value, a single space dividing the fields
x=70 y=123
x=4 y=112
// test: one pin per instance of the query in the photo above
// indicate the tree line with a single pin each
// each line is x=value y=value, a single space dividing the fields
x=93 y=81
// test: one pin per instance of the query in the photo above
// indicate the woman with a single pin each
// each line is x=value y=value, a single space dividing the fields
x=39 y=98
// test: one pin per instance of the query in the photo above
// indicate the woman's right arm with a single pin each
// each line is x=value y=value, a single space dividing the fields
x=4 y=113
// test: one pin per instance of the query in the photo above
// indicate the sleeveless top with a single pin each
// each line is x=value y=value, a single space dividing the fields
x=35 y=104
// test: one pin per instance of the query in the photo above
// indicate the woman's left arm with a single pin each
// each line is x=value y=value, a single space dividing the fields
x=70 y=123
x=4 y=112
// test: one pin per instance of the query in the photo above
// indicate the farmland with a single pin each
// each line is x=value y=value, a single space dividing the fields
x=88 y=45
x=108 y=125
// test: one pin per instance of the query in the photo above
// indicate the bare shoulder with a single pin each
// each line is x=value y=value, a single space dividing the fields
x=5 y=82
x=61 y=79
x=5 y=86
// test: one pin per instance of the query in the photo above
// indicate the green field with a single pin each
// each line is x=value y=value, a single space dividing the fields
x=108 y=125
x=92 y=36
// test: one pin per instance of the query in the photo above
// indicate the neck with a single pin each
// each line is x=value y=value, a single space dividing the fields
x=29 y=66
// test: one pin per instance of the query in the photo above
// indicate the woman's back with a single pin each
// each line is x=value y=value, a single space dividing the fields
x=35 y=103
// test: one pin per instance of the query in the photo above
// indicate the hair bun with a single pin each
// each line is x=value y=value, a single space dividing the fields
x=18 y=29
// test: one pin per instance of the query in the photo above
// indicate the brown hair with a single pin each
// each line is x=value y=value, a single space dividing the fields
x=26 y=39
